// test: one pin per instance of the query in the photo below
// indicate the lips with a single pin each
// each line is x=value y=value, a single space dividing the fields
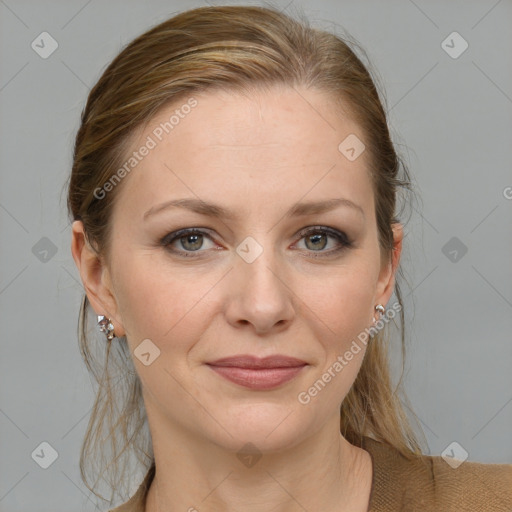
x=252 y=362
x=257 y=373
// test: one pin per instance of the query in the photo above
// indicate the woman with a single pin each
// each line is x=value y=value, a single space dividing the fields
x=233 y=198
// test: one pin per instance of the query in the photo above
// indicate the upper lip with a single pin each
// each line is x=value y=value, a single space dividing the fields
x=248 y=361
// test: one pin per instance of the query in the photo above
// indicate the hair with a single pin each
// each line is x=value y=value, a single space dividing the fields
x=239 y=49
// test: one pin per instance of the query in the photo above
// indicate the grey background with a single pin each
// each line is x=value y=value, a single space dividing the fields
x=452 y=119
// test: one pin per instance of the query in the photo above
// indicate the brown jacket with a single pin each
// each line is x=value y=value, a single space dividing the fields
x=428 y=484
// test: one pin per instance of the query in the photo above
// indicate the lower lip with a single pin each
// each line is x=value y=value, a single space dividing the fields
x=264 y=378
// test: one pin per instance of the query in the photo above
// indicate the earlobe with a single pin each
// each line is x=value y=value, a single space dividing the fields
x=95 y=277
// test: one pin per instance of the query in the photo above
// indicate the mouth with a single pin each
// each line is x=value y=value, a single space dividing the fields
x=257 y=373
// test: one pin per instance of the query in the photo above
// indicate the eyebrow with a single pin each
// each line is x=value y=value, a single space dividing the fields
x=213 y=210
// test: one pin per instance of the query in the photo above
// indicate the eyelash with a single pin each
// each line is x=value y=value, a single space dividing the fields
x=340 y=236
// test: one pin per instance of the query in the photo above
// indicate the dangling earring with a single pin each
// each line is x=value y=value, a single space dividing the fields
x=106 y=326
x=381 y=309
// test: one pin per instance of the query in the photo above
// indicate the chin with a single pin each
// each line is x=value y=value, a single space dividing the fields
x=268 y=426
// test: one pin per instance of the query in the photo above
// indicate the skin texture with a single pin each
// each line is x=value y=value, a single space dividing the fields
x=257 y=156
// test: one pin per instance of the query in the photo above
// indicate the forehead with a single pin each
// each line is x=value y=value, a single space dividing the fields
x=267 y=148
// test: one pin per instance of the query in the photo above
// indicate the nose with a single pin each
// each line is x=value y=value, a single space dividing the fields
x=260 y=296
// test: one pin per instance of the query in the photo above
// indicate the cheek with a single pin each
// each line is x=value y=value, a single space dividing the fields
x=343 y=303
x=157 y=303
x=339 y=309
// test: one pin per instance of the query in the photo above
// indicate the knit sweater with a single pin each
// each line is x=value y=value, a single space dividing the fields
x=427 y=484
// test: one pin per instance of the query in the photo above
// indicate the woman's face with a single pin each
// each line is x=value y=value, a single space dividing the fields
x=265 y=273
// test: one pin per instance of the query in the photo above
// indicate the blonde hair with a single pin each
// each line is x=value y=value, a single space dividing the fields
x=239 y=49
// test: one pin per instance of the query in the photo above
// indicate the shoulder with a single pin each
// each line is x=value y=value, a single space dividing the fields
x=429 y=483
x=472 y=485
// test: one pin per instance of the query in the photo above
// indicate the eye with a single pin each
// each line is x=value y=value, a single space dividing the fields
x=187 y=240
x=316 y=239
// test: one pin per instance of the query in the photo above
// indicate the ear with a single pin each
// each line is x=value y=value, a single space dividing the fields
x=386 y=281
x=95 y=277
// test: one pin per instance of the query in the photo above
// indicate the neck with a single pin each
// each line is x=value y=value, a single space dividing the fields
x=324 y=472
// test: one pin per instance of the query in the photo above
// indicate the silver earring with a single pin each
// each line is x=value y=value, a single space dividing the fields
x=105 y=325
x=381 y=309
